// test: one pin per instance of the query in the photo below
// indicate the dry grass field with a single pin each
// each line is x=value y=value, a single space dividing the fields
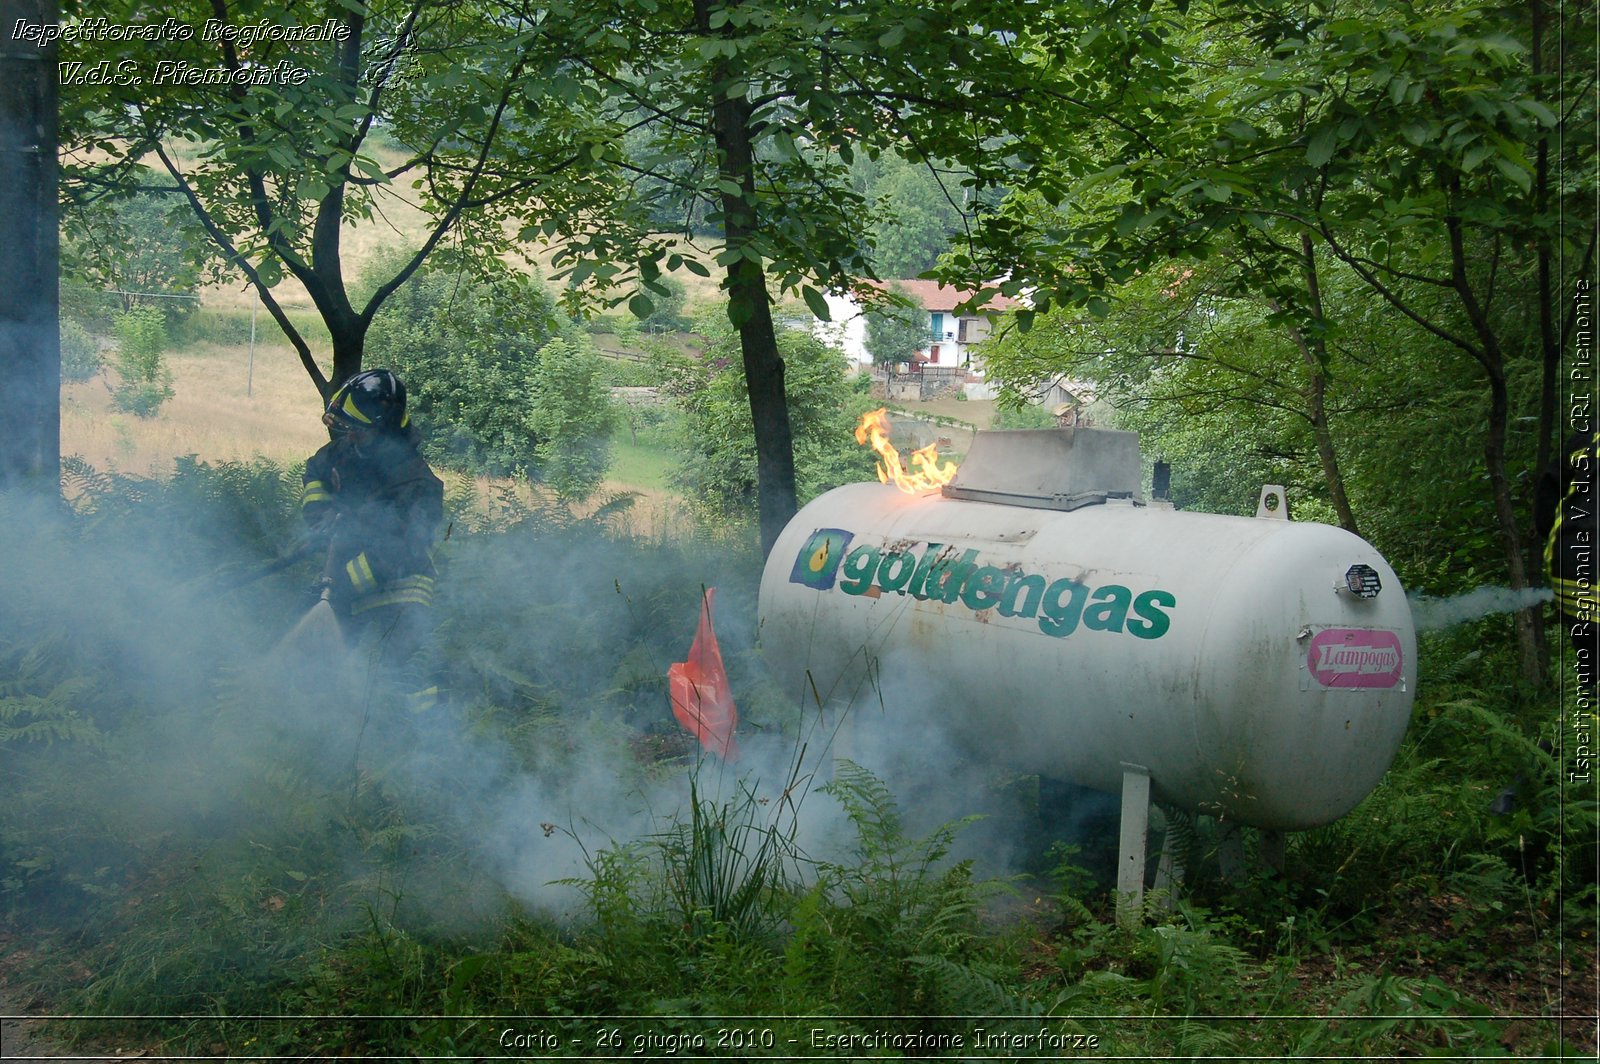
x=399 y=225
x=224 y=410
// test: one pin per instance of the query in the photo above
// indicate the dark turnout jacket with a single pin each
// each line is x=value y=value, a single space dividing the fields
x=376 y=507
x=1564 y=512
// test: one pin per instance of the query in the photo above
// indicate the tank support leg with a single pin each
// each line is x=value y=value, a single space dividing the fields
x=1230 y=853
x=1135 y=839
x=1273 y=850
x=1232 y=858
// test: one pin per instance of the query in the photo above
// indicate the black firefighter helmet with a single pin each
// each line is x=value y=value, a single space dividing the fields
x=374 y=399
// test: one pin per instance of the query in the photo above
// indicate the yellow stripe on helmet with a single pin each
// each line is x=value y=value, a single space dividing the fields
x=349 y=407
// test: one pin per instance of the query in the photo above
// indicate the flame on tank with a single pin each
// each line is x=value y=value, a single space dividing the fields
x=928 y=473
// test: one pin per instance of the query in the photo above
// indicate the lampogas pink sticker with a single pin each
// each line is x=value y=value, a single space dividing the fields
x=1355 y=657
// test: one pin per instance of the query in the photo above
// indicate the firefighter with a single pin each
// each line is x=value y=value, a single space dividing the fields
x=371 y=502
x=1565 y=519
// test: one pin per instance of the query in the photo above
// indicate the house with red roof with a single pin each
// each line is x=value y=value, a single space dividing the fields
x=951 y=335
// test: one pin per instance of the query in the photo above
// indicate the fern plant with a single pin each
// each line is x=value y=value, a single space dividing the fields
x=39 y=701
x=899 y=905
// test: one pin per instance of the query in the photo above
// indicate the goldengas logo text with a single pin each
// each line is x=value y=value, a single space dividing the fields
x=947 y=574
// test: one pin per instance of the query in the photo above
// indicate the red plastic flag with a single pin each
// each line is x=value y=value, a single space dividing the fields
x=702 y=698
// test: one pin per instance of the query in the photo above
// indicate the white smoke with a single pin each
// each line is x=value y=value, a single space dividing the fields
x=1432 y=614
x=305 y=757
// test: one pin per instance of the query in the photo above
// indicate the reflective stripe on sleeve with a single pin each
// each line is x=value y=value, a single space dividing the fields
x=407 y=591
x=423 y=700
x=1550 y=544
x=360 y=573
x=1574 y=599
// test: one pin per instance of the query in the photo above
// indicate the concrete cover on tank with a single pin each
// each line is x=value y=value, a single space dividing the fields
x=1053 y=469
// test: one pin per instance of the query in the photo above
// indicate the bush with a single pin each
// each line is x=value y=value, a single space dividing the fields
x=667 y=313
x=184 y=833
x=230 y=327
x=629 y=373
x=145 y=382
x=897 y=331
x=1028 y=416
x=472 y=352
x=571 y=416
x=717 y=469
x=142 y=248
x=91 y=308
x=80 y=353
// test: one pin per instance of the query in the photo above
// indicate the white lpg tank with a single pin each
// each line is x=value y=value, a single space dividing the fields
x=1258 y=669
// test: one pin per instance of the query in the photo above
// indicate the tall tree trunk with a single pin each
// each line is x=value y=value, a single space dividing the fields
x=1494 y=457
x=748 y=307
x=347 y=328
x=349 y=347
x=30 y=342
x=1327 y=454
x=1315 y=353
x=1492 y=359
x=1549 y=343
x=769 y=407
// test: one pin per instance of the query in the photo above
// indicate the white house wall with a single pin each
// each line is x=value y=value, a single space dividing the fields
x=847 y=331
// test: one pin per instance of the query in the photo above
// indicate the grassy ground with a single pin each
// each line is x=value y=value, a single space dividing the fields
x=228 y=406
x=222 y=410
x=639 y=466
x=1415 y=926
x=976 y=413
